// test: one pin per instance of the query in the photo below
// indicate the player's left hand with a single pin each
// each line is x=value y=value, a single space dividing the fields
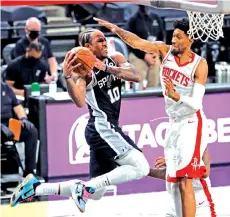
x=100 y=65
x=106 y=24
x=169 y=86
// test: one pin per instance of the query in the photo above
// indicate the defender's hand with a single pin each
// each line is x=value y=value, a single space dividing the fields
x=106 y=24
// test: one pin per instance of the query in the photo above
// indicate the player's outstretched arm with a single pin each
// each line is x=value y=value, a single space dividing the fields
x=134 y=41
x=123 y=70
x=76 y=85
x=194 y=101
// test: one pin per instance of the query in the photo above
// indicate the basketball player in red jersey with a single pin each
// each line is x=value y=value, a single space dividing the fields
x=183 y=77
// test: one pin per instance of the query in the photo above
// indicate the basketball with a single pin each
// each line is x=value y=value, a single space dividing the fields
x=86 y=57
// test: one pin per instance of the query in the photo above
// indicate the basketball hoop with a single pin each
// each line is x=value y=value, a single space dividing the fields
x=204 y=26
x=206 y=18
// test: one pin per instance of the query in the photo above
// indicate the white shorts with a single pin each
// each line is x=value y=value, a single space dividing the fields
x=186 y=140
x=204 y=204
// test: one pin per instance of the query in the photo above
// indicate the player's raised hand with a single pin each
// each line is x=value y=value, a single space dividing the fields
x=160 y=162
x=69 y=66
x=106 y=24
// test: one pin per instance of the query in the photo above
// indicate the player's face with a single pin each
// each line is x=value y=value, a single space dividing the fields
x=180 y=42
x=98 y=45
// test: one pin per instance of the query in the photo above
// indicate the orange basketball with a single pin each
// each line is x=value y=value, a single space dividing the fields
x=86 y=57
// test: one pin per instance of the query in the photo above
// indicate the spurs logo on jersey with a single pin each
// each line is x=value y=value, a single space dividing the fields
x=183 y=79
x=103 y=94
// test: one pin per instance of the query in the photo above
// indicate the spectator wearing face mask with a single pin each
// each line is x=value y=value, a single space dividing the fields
x=32 y=30
x=27 y=69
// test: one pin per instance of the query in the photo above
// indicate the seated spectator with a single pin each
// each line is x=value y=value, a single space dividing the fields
x=29 y=134
x=27 y=69
x=32 y=29
x=150 y=27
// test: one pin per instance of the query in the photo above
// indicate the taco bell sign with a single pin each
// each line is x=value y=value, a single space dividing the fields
x=143 y=119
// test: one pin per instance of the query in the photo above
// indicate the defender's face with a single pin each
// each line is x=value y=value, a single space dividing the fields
x=98 y=45
x=180 y=41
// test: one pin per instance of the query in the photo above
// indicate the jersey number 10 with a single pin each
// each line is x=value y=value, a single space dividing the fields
x=114 y=94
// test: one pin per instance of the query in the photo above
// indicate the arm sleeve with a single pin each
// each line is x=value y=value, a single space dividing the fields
x=194 y=101
x=12 y=95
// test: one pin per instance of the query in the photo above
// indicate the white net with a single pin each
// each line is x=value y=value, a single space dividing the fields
x=204 y=26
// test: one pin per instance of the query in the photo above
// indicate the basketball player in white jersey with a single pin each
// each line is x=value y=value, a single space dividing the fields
x=183 y=77
x=204 y=204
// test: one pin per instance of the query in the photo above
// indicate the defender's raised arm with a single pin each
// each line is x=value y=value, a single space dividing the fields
x=134 y=41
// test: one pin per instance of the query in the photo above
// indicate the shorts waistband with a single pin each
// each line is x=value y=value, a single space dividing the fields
x=184 y=117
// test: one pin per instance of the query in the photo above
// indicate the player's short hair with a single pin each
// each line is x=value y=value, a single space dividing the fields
x=183 y=25
x=85 y=37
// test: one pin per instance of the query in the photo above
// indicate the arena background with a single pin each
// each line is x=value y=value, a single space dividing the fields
x=63 y=152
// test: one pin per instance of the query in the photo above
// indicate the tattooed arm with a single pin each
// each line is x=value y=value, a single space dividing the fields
x=76 y=87
x=134 y=41
x=123 y=70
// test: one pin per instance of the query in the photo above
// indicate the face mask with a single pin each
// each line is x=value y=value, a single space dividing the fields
x=33 y=34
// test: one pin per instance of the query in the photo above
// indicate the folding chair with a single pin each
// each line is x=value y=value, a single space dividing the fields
x=9 y=151
x=16 y=126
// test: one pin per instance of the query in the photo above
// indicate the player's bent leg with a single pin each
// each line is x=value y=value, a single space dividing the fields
x=139 y=165
x=187 y=197
x=133 y=166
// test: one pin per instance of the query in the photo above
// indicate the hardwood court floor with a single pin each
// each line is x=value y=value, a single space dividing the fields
x=152 y=205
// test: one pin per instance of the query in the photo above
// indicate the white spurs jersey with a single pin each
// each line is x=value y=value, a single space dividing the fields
x=183 y=79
